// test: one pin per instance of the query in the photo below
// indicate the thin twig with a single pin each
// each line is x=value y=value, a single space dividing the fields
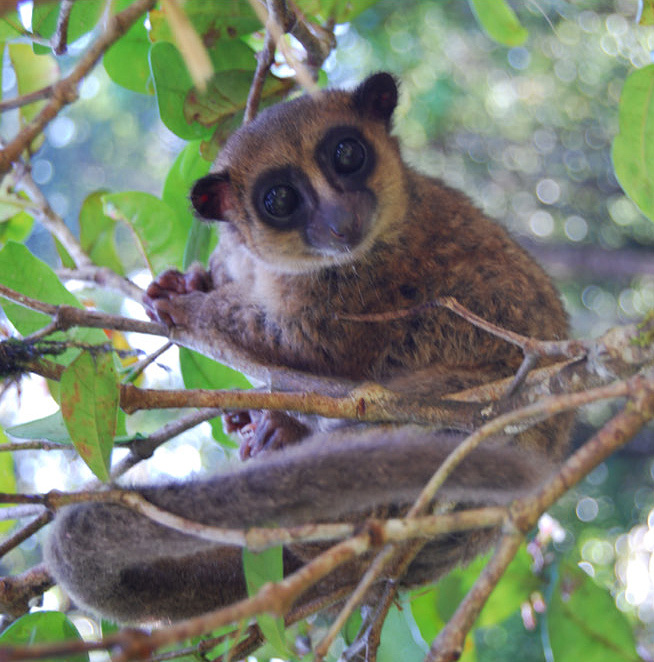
x=25 y=99
x=141 y=449
x=553 y=348
x=26 y=532
x=104 y=277
x=264 y=59
x=66 y=317
x=525 y=512
x=60 y=37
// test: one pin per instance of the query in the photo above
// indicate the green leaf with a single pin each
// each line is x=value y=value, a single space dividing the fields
x=51 y=428
x=43 y=627
x=126 y=61
x=226 y=95
x=221 y=106
x=398 y=641
x=10 y=26
x=261 y=568
x=585 y=624
x=212 y=20
x=198 y=371
x=21 y=271
x=499 y=21
x=187 y=168
x=432 y=609
x=342 y=11
x=89 y=405
x=17 y=228
x=161 y=233
x=33 y=72
x=97 y=233
x=633 y=147
x=7 y=478
x=83 y=18
x=172 y=83
x=645 y=12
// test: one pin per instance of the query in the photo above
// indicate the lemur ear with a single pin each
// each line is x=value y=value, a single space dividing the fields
x=376 y=97
x=212 y=196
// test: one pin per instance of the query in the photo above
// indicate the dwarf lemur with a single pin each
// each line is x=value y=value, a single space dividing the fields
x=321 y=220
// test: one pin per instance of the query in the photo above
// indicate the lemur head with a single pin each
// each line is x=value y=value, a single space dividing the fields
x=311 y=182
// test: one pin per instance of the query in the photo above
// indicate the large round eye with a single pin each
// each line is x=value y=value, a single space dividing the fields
x=349 y=156
x=281 y=200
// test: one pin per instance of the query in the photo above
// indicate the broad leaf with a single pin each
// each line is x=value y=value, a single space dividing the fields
x=187 y=168
x=7 y=478
x=82 y=19
x=633 y=147
x=126 y=61
x=97 y=233
x=212 y=20
x=341 y=11
x=17 y=228
x=198 y=371
x=21 y=271
x=645 y=12
x=261 y=568
x=10 y=26
x=50 y=428
x=499 y=21
x=33 y=72
x=585 y=624
x=161 y=233
x=89 y=404
x=172 y=83
x=43 y=627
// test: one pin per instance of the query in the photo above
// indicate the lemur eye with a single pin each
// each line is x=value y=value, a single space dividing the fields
x=281 y=201
x=349 y=156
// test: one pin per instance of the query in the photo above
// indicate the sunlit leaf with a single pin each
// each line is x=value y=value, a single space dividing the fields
x=16 y=228
x=43 y=627
x=50 y=428
x=33 y=72
x=585 y=624
x=172 y=83
x=24 y=273
x=341 y=11
x=198 y=371
x=221 y=106
x=10 y=25
x=97 y=233
x=645 y=12
x=397 y=639
x=82 y=19
x=89 y=403
x=161 y=233
x=499 y=21
x=633 y=147
x=212 y=20
x=187 y=168
x=7 y=477
x=261 y=568
x=126 y=61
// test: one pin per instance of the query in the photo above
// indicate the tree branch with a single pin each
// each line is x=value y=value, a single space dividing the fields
x=65 y=90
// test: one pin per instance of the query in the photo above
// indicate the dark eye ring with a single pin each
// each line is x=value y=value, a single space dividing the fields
x=349 y=156
x=280 y=201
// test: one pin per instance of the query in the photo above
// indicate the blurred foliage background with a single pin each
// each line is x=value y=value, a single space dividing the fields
x=526 y=132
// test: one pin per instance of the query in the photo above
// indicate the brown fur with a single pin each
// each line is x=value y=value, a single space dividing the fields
x=393 y=240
